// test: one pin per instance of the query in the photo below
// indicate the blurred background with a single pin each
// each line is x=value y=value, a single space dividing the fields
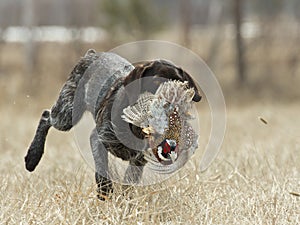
x=251 y=46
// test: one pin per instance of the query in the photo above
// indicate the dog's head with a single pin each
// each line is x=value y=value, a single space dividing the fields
x=159 y=71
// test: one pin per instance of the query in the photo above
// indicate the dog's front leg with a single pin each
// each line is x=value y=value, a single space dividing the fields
x=100 y=155
x=135 y=169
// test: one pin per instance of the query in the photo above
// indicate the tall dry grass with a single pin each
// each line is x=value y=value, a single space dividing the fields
x=255 y=179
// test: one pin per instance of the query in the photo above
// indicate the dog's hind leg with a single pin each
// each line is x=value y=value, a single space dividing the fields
x=62 y=115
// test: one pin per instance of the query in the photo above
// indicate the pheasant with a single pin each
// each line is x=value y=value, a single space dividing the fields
x=154 y=111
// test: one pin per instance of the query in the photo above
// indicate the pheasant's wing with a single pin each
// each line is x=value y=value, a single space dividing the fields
x=138 y=113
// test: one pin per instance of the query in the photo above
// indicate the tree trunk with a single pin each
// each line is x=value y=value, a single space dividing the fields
x=29 y=47
x=185 y=11
x=215 y=20
x=240 y=61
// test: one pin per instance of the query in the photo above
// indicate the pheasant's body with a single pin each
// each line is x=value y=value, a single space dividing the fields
x=94 y=85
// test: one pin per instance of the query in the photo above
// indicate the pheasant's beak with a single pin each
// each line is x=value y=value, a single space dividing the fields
x=173 y=156
x=148 y=130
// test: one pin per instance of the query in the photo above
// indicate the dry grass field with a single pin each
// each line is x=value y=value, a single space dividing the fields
x=254 y=180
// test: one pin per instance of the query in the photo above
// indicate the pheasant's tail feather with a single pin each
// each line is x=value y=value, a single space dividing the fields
x=176 y=92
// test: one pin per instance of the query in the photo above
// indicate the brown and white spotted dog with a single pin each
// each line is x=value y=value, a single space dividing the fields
x=117 y=72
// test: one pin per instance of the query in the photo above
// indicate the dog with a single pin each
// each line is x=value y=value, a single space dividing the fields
x=94 y=85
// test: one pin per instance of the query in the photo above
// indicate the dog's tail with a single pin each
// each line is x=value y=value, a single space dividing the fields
x=36 y=148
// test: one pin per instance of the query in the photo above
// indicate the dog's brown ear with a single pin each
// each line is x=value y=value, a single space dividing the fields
x=160 y=70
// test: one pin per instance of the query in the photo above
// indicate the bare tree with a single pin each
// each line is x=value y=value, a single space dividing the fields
x=240 y=61
x=185 y=11
x=28 y=20
x=215 y=16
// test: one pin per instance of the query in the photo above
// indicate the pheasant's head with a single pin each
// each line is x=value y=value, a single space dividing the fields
x=167 y=151
x=165 y=147
x=163 y=117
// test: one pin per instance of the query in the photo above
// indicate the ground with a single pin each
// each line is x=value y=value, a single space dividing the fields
x=255 y=179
